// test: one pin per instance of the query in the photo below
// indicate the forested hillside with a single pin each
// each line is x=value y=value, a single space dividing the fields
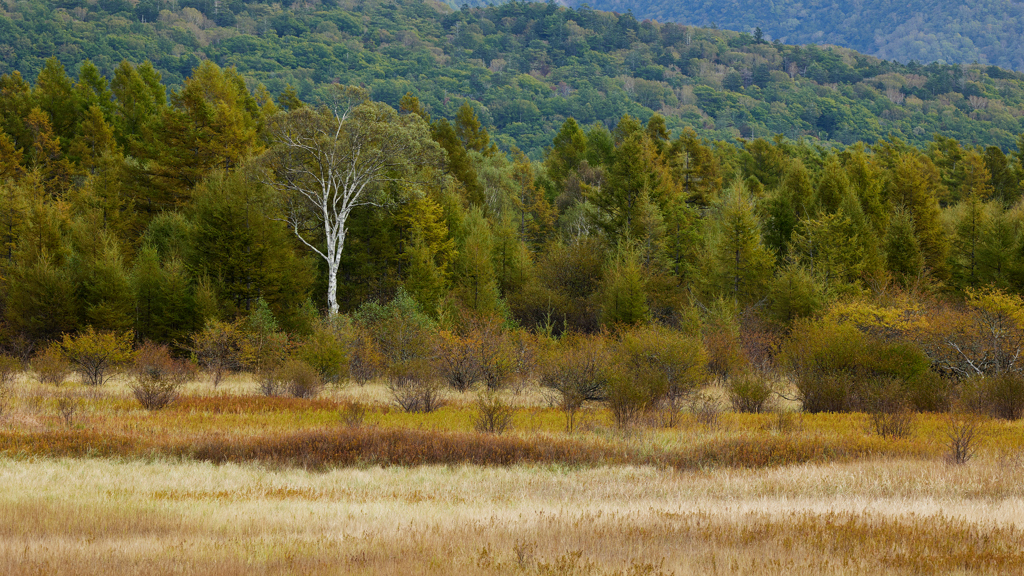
x=988 y=32
x=122 y=209
x=525 y=68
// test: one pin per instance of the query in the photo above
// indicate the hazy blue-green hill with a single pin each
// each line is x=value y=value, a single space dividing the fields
x=984 y=31
x=526 y=67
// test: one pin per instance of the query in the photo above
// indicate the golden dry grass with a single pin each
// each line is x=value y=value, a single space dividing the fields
x=723 y=499
x=91 y=516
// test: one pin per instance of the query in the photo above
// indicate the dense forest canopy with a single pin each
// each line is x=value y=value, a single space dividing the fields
x=525 y=68
x=950 y=31
x=137 y=198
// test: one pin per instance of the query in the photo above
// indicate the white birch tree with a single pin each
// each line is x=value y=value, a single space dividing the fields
x=329 y=161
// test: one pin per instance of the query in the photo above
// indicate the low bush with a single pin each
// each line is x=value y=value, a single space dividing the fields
x=1003 y=394
x=97 y=356
x=832 y=362
x=494 y=415
x=352 y=412
x=576 y=371
x=415 y=388
x=888 y=408
x=655 y=368
x=298 y=379
x=157 y=377
x=326 y=349
x=217 y=348
x=750 y=392
x=50 y=365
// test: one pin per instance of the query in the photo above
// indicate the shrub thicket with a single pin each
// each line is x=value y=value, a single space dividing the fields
x=298 y=379
x=327 y=347
x=653 y=368
x=217 y=348
x=750 y=392
x=833 y=363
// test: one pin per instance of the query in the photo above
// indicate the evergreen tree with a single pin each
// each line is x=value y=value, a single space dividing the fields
x=476 y=286
x=903 y=257
x=739 y=265
x=623 y=294
x=911 y=186
x=970 y=229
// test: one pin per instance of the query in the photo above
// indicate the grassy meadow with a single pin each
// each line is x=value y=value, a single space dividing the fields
x=227 y=482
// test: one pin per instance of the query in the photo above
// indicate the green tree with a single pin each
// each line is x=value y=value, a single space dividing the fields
x=739 y=264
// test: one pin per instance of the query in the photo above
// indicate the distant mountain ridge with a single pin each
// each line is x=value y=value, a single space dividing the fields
x=524 y=68
x=984 y=31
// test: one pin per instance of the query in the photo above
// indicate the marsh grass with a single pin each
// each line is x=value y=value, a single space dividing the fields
x=93 y=516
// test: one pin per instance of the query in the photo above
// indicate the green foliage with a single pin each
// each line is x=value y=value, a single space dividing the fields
x=98 y=355
x=833 y=365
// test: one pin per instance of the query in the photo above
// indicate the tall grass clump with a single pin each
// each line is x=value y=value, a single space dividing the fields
x=10 y=367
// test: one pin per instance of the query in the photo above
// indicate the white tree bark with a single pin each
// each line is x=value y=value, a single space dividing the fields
x=330 y=161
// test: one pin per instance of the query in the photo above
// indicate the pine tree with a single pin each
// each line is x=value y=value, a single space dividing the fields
x=903 y=257
x=970 y=229
x=470 y=131
x=739 y=265
x=911 y=186
x=568 y=149
x=623 y=294
x=475 y=283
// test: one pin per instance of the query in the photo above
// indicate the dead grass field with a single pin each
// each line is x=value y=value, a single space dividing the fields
x=220 y=483
x=96 y=516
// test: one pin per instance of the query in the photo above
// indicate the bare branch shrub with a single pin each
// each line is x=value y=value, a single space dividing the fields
x=352 y=413
x=888 y=408
x=494 y=415
x=414 y=387
x=97 y=356
x=706 y=408
x=67 y=407
x=157 y=377
x=456 y=361
x=963 y=429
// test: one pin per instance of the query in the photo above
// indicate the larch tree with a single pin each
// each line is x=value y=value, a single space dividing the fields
x=330 y=161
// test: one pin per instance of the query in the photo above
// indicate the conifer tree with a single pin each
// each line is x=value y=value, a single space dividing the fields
x=903 y=257
x=623 y=294
x=739 y=265
x=911 y=186
x=970 y=229
x=475 y=284
x=469 y=130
